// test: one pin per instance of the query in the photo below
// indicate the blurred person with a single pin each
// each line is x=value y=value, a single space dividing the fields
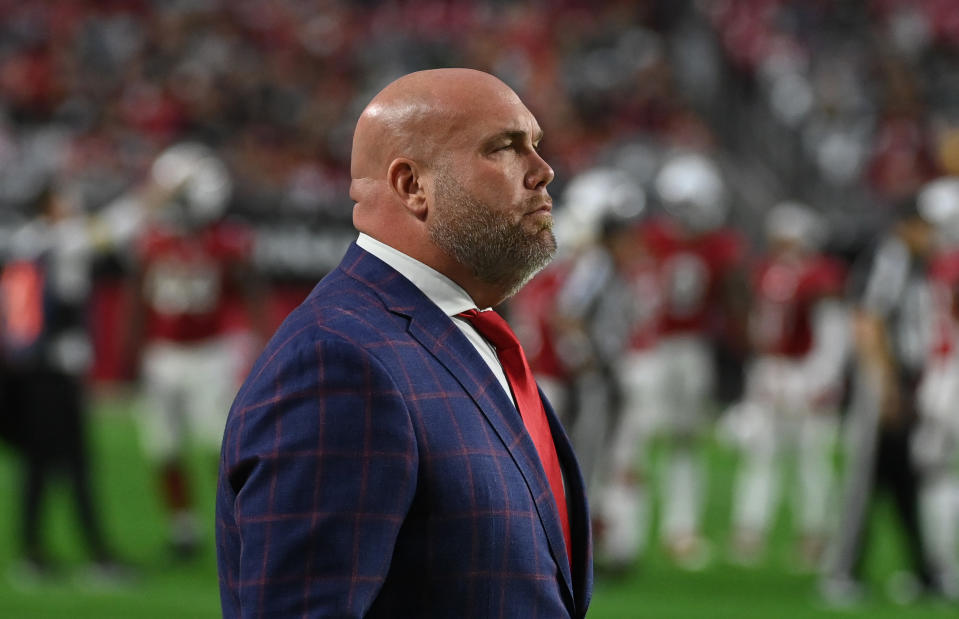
x=599 y=209
x=192 y=265
x=606 y=314
x=891 y=323
x=45 y=354
x=699 y=261
x=389 y=454
x=580 y=306
x=798 y=333
x=624 y=506
x=936 y=441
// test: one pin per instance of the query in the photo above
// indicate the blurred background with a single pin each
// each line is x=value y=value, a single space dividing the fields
x=174 y=179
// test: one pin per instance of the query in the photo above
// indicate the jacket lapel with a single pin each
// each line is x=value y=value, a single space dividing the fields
x=580 y=524
x=443 y=340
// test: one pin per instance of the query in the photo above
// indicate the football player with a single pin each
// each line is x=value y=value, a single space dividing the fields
x=593 y=317
x=193 y=268
x=624 y=505
x=936 y=440
x=699 y=262
x=797 y=328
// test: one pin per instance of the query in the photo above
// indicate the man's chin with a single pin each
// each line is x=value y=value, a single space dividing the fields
x=547 y=240
x=537 y=224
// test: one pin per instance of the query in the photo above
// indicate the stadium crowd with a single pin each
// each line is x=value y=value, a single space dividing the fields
x=740 y=158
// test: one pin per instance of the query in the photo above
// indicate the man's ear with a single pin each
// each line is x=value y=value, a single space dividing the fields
x=406 y=183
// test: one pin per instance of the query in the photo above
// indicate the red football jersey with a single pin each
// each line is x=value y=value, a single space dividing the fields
x=531 y=312
x=691 y=269
x=186 y=283
x=944 y=283
x=642 y=276
x=785 y=293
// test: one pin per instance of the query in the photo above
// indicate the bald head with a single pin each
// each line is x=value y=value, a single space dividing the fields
x=416 y=115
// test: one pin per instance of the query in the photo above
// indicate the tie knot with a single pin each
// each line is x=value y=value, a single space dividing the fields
x=491 y=326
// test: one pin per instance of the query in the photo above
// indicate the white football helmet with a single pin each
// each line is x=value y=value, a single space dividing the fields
x=796 y=222
x=938 y=204
x=591 y=200
x=691 y=189
x=198 y=176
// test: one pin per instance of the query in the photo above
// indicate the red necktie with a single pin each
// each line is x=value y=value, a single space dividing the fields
x=492 y=326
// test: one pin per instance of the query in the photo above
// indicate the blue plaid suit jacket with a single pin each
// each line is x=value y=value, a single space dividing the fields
x=372 y=466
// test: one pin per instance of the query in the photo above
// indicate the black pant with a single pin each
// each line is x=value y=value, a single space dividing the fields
x=882 y=465
x=895 y=475
x=48 y=407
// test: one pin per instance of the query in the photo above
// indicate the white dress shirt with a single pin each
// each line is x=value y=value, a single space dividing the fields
x=442 y=291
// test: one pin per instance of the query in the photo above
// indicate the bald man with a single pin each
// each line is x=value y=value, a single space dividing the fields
x=375 y=462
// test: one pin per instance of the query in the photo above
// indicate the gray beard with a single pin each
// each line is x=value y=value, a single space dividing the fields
x=496 y=250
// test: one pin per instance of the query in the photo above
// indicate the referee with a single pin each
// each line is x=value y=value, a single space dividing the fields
x=890 y=323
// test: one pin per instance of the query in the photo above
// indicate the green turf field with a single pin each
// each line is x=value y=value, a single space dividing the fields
x=166 y=590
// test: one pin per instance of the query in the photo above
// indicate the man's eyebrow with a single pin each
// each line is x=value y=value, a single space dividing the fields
x=517 y=134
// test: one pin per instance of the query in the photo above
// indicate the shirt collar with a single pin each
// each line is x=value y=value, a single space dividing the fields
x=441 y=290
